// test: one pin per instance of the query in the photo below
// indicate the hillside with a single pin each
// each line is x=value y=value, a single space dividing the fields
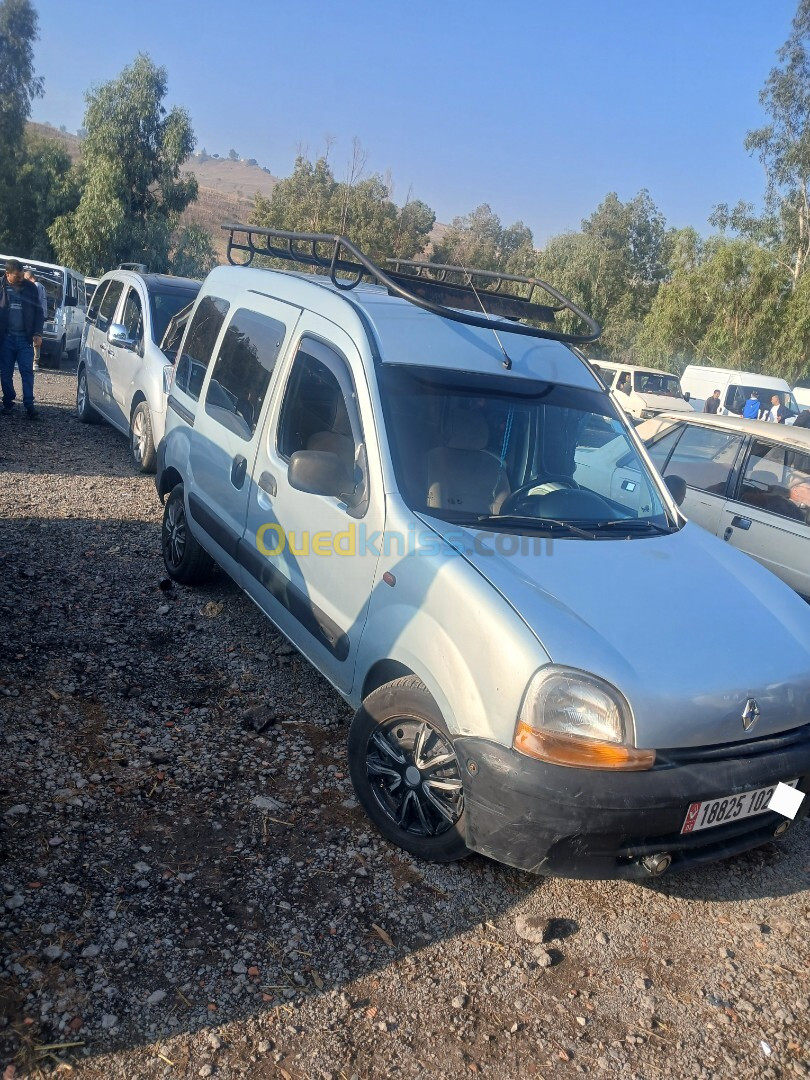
x=226 y=188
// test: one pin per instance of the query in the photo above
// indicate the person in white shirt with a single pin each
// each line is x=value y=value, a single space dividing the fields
x=778 y=412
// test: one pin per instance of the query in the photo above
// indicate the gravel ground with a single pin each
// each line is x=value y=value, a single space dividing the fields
x=189 y=888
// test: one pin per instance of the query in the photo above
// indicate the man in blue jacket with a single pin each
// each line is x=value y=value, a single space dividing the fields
x=752 y=407
x=21 y=322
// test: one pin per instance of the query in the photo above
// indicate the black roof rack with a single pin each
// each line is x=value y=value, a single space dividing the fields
x=434 y=286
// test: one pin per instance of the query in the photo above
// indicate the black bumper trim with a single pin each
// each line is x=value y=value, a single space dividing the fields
x=589 y=823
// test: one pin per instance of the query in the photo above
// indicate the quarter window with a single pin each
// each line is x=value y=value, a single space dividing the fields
x=241 y=375
x=777 y=479
x=704 y=457
x=660 y=450
x=199 y=345
x=133 y=316
x=108 y=305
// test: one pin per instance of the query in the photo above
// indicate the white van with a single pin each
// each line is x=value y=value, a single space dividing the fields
x=801 y=391
x=64 y=323
x=644 y=392
x=735 y=388
x=453 y=520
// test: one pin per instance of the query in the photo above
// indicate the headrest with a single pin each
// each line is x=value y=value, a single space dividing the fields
x=467 y=430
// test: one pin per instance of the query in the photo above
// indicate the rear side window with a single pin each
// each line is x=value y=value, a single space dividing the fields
x=704 y=458
x=199 y=345
x=241 y=375
x=108 y=305
x=777 y=479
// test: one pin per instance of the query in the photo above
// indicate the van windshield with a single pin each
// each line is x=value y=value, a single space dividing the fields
x=516 y=455
x=650 y=382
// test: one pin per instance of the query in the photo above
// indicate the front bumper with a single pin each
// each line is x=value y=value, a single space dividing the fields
x=592 y=823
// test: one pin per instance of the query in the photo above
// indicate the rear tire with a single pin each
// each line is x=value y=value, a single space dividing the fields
x=186 y=561
x=405 y=772
x=141 y=442
x=84 y=410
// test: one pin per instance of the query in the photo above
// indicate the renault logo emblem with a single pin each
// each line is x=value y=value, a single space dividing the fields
x=750 y=714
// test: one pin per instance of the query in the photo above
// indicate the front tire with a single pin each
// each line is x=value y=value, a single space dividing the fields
x=84 y=410
x=141 y=442
x=185 y=560
x=405 y=772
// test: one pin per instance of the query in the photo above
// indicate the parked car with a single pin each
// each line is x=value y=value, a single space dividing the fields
x=416 y=502
x=747 y=482
x=644 y=392
x=64 y=323
x=123 y=373
x=735 y=388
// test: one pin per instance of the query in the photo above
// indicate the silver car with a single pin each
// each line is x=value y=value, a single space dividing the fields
x=422 y=500
x=123 y=373
x=748 y=481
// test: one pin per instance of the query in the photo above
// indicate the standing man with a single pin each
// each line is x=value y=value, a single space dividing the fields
x=752 y=406
x=778 y=413
x=43 y=299
x=712 y=404
x=21 y=322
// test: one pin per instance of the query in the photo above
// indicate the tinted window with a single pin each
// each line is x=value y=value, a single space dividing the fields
x=165 y=306
x=314 y=415
x=704 y=458
x=242 y=371
x=109 y=304
x=199 y=345
x=95 y=300
x=133 y=315
x=777 y=479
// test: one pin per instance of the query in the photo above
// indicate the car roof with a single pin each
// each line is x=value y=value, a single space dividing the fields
x=155 y=282
x=403 y=333
x=783 y=433
x=613 y=364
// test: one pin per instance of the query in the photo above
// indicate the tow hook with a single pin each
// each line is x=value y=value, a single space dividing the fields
x=657 y=864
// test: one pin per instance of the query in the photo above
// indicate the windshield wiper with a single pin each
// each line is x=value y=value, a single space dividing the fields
x=537 y=524
x=632 y=525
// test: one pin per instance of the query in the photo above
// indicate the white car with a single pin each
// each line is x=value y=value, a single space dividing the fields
x=643 y=392
x=124 y=371
x=747 y=481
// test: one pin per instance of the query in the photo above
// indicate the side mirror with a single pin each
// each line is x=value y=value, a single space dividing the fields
x=677 y=488
x=687 y=396
x=319 y=473
x=119 y=335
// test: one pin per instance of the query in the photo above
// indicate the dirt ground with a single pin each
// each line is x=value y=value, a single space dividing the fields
x=189 y=888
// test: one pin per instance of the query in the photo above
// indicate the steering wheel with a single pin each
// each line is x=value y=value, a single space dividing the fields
x=521 y=496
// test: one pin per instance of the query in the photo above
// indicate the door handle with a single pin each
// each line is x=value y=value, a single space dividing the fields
x=741 y=522
x=267 y=482
x=727 y=533
x=238 y=471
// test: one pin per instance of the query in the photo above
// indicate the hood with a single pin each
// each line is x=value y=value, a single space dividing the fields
x=664 y=403
x=684 y=625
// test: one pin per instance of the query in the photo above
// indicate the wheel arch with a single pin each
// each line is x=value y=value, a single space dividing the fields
x=169 y=479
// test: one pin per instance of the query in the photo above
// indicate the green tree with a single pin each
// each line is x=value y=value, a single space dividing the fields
x=312 y=200
x=783 y=147
x=134 y=192
x=194 y=255
x=725 y=305
x=479 y=240
x=18 y=88
x=47 y=186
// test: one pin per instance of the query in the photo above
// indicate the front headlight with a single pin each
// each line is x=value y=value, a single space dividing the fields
x=572 y=718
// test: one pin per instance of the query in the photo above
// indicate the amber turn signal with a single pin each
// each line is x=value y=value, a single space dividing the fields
x=580 y=753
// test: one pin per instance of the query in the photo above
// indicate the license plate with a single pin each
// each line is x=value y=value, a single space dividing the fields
x=705 y=815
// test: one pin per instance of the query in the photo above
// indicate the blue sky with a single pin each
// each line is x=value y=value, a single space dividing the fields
x=537 y=108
